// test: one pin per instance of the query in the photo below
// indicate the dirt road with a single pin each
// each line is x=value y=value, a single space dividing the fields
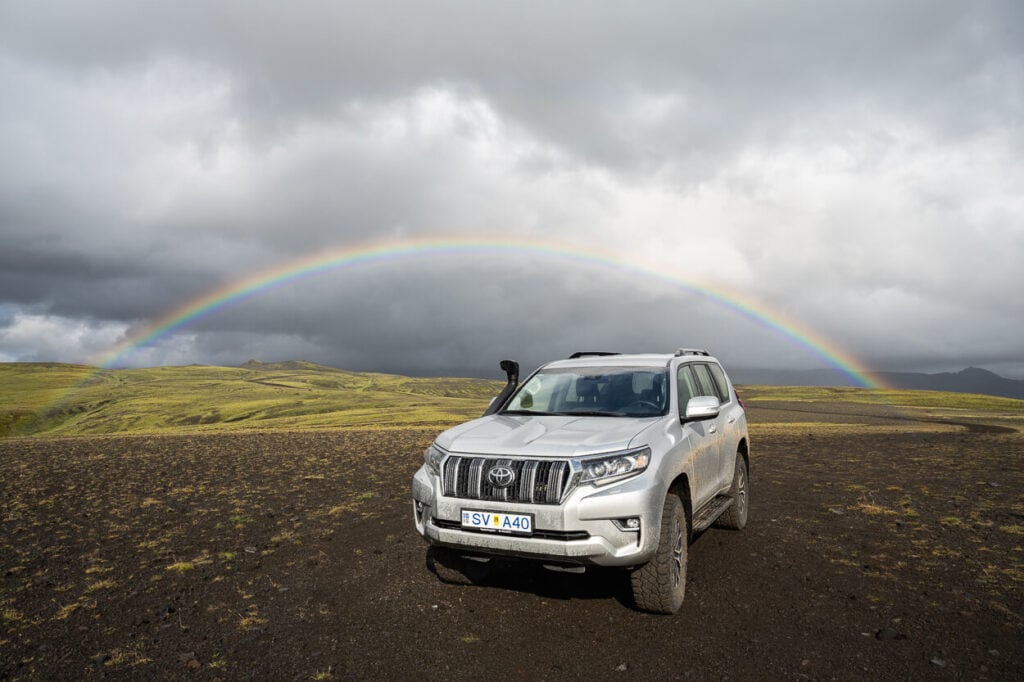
x=888 y=550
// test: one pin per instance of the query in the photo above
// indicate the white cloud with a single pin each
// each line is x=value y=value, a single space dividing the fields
x=27 y=336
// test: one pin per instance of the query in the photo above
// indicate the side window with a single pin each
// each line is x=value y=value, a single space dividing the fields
x=720 y=383
x=686 y=387
x=704 y=380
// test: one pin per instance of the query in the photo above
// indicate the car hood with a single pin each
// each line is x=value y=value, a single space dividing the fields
x=545 y=436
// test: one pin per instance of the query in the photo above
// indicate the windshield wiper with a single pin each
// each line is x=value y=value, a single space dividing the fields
x=533 y=413
x=591 y=413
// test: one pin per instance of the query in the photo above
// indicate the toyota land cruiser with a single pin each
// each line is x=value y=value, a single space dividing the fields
x=602 y=459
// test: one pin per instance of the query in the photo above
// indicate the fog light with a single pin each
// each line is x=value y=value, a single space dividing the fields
x=631 y=523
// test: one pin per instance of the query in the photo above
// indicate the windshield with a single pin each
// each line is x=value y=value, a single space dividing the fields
x=593 y=391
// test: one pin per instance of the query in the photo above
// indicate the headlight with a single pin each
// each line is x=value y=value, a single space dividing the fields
x=602 y=470
x=432 y=458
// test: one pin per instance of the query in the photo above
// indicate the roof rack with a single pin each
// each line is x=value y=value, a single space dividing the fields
x=584 y=353
x=692 y=351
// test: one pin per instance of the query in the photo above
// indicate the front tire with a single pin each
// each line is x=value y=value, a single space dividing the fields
x=660 y=584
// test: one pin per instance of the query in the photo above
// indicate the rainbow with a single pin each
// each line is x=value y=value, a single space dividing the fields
x=369 y=253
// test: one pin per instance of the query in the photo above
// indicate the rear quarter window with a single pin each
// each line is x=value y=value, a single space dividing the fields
x=718 y=374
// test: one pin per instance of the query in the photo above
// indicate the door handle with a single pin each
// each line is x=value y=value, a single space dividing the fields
x=713 y=429
x=732 y=420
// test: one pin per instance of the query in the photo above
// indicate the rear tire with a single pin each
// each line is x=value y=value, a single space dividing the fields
x=660 y=584
x=735 y=517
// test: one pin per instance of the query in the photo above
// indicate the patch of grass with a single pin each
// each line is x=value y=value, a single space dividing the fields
x=181 y=566
x=872 y=509
x=1013 y=530
x=99 y=585
x=12 y=616
x=945 y=552
x=251 y=621
x=64 y=612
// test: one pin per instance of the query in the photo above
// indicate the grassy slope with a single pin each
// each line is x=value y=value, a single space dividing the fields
x=55 y=399
x=894 y=397
x=73 y=400
x=923 y=407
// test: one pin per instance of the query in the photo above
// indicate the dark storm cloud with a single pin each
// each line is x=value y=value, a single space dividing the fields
x=854 y=165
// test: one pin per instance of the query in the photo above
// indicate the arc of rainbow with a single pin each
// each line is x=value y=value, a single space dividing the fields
x=368 y=253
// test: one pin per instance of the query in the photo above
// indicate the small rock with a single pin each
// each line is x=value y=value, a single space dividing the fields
x=250 y=550
x=100 y=659
x=621 y=667
x=938 y=662
x=887 y=635
x=194 y=664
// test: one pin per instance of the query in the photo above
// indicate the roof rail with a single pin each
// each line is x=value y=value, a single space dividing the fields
x=692 y=351
x=584 y=353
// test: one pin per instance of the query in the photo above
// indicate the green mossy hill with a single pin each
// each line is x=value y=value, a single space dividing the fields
x=58 y=399
x=903 y=398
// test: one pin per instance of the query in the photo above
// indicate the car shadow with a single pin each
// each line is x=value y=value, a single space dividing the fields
x=521 y=575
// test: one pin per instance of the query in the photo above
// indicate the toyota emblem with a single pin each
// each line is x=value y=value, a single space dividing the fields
x=501 y=476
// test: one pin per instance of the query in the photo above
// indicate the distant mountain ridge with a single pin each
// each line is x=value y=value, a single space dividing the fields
x=970 y=380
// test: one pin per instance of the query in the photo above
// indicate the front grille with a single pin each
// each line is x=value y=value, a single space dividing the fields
x=537 y=481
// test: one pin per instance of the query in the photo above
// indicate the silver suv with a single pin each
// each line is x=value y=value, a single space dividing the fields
x=602 y=459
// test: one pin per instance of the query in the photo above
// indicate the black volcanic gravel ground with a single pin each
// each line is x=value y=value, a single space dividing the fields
x=872 y=552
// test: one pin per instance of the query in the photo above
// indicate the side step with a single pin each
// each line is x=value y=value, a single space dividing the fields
x=707 y=514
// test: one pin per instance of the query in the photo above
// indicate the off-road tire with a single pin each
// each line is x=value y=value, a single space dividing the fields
x=660 y=584
x=452 y=568
x=735 y=517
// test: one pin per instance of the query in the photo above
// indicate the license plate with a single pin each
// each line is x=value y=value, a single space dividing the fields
x=515 y=524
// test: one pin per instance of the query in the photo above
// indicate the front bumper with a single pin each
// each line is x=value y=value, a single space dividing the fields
x=581 y=530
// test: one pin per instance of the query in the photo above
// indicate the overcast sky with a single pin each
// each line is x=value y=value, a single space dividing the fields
x=854 y=165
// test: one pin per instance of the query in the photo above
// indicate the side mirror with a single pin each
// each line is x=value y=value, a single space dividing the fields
x=702 y=407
